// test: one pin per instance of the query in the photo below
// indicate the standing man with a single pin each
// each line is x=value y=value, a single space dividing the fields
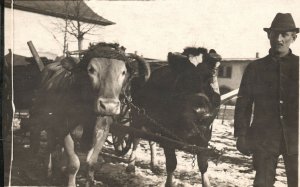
x=270 y=87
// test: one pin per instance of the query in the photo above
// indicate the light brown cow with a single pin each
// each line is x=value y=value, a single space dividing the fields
x=87 y=95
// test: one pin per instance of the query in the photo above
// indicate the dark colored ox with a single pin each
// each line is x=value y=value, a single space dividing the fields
x=180 y=97
x=82 y=95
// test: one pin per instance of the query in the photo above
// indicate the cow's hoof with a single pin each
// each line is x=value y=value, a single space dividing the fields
x=157 y=170
x=89 y=183
x=97 y=183
x=63 y=169
x=50 y=180
x=205 y=180
x=130 y=169
x=171 y=184
x=49 y=174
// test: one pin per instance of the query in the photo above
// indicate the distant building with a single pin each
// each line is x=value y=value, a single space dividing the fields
x=26 y=76
x=231 y=72
x=229 y=75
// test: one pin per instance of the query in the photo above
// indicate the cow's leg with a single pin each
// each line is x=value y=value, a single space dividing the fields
x=171 y=163
x=50 y=149
x=35 y=135
x=153 y=154
x=153 y=163
x=63 y=161
x=73 y=160
x=203 y=165
x=24 y=127
x=49 y=166
x=131 y=164
x=63 y=166
x=99 y=136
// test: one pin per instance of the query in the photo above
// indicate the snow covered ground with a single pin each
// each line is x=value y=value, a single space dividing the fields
x=233 y=169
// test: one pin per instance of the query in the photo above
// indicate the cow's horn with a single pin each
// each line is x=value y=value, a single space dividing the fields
x=143 y=67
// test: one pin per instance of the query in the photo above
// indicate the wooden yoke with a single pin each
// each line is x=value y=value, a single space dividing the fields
x=228 y=96
x=193 y=149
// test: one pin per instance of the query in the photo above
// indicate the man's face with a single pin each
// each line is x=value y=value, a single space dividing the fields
x=281 y=41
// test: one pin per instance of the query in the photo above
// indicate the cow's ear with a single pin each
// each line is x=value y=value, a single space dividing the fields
x=138 y=67
x=178 y=62
x=69 y=63
x=213 y=56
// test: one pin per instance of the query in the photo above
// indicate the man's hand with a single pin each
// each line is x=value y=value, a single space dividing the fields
x=242 y=145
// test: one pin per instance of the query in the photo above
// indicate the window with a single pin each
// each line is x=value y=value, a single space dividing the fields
x=225 y=71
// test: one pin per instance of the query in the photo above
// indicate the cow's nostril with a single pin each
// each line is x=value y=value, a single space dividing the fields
x=108 y=106
x=102 y=105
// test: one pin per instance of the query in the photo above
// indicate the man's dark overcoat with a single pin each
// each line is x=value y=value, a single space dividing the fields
x=269 y=87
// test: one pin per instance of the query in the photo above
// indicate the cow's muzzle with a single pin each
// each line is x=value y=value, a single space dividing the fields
x=108 y=107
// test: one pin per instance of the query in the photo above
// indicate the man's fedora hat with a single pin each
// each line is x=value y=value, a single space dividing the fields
x=283 y=22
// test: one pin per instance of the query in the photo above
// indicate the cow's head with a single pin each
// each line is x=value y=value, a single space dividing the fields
x=108 y=73
x=194 y=67
x=195 y=97
x=197 y=115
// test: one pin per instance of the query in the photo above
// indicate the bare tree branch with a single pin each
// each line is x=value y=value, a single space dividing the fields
x=91 y=34
x=84 y=25
x=53 y=35
x=59 y=26
x=89 y=29
x=72 y=33
x=73 y=27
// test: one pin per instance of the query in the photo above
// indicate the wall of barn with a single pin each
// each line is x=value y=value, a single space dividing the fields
x=238 y=68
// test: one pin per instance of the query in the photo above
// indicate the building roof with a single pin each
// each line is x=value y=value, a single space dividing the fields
x=19 y=60
x=238 y=59
x=58 y=9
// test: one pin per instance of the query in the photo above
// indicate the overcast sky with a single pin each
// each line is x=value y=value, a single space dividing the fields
x=153 y=28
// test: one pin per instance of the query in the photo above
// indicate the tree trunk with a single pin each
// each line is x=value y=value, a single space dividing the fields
x=65 y=38
x=79 y=38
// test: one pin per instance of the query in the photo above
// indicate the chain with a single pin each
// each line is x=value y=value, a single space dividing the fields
x=193 y=158
x=142 y=112
x=219 y=153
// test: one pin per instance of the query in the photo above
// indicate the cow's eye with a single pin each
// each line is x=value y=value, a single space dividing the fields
x=91 y=70
x=124 y=72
